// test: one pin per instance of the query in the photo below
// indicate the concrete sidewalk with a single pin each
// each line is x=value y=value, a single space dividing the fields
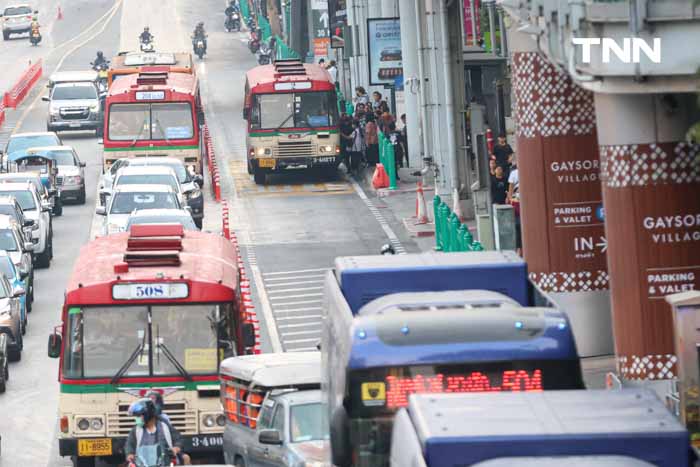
x=402 y=203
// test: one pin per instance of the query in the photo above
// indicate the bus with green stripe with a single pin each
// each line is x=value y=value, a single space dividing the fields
x=155 y=112
x=292 y=114
x=156 y=308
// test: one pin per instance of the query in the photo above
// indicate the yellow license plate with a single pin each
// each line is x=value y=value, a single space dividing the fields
x=95 y=447
x=267 y=163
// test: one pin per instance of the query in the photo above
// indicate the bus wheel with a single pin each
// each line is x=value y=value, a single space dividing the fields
x=250 y=168
x=259 y=177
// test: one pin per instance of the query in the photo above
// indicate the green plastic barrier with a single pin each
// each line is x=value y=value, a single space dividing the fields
x=450 y=234
x=387 y=158
x=245 y=10
x=284 y=51
x=264 y=26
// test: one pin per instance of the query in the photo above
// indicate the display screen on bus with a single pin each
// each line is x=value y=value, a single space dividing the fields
x=294 y=110
x=384 y=390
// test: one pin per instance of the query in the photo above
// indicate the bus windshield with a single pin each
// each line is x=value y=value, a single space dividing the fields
x=294 y=110
x=144 y=122
x=101 y=341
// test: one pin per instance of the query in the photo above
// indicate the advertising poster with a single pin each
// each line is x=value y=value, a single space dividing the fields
x=468 y=27
x=338 y=21
x=321 y=31
x=384 y=45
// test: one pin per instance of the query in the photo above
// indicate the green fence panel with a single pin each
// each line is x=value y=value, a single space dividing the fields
x=245 y=10
x=387 y=158
x=284 y=52
x=264 y=26
x=436 y=216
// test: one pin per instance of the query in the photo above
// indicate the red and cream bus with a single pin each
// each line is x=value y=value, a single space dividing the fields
x=155 y=308
x=292 y=113
x=154 y=113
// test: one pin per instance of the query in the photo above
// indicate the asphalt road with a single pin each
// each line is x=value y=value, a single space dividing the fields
x=291 y=231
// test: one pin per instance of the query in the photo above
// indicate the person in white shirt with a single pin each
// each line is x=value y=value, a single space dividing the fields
x=333 y=71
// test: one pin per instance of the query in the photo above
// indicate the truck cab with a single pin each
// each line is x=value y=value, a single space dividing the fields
x=274 y=415
x=539 y=429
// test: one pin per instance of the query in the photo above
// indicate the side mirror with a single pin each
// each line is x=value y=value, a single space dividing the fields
x=248 y=335
x=28 y=246
x=340 y=438
x=45 y=98
x=199 y=180
x=245 y=114
x=101 y=211
x=82 y=164
x=270 y=437
x=55 y=345
x=18 y=291
x=28 y=223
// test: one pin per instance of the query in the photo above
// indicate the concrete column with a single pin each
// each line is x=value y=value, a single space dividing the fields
x=409 y=46
x=390 y=8
x=374 y=8
x=561 y=202
x=651 y=190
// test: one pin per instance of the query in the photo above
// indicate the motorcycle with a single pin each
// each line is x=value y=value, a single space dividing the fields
x=35 y=37
x=164 y=460
x=254 y=43
x=199 y=49
x=264 y=54
x=233 y=22
x=147 y=46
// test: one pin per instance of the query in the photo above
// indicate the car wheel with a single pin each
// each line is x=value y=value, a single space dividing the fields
x=15 y=355
x=43 y=260
x=198 y=223
x=250 y=168
x=58 y=208
x=81 y=196
x=3 y=379
x=24 y=324
x=239 y=462
x=29 y=304
x=5 y=36
x=259 y=177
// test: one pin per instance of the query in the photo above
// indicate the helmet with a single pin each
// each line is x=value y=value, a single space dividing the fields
x=200 y=24
x=157 y=399
x=143 y=408
x=146 y=29
x=100 y=54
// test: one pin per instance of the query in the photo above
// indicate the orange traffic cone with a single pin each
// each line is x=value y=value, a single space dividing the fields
x=60 y=13
x=421 y=207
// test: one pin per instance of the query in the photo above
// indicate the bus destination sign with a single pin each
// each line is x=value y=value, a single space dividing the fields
x=150 y=291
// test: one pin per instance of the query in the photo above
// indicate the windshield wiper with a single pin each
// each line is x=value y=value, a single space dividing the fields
x=174 y=361
x=143 y=127
x=127 y=364
x=285 y=121
x=160 y=127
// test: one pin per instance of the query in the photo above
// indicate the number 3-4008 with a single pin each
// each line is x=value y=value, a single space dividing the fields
x=149 y=291
x=205 y=441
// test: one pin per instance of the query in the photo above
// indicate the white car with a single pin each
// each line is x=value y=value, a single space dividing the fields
x=149 y=175
x=129 y=199
x=17 y=19
x=40 y=212
x=162 y=216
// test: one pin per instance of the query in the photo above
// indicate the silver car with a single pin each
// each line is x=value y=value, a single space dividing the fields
x=71 y=174
x=132 y=198
x=17 y=19
x=74 y=106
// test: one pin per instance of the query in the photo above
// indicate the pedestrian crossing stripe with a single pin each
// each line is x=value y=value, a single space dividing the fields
x=245 y=186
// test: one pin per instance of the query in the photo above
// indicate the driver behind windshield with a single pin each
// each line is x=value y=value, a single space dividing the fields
x=319 y=120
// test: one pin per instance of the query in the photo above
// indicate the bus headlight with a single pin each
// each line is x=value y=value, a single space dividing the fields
x=326 y=149
x=96 y=424
x=264 y=151
x=83 y=424
x=221 y=420
x=208 y=421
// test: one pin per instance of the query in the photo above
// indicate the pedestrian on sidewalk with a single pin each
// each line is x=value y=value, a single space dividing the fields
x=361 y=96
x=394 y=137
x=372 y=140
x=514 y=200
x=361 y=113
x=345 y=128
x=499 y=186
x=386 y=120
x=333 y=71
x=501 y=153
x=357 y=148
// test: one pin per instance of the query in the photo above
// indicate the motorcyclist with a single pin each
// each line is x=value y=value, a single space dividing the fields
x=150 y=437
x=157 y=399
x=35 y=25
x=199 y=34
x=231 y=8
x=99 y=60
x=146 y=35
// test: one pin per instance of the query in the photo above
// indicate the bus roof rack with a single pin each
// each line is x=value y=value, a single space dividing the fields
x=153 y=75
x=290 y=67
x=154 y=245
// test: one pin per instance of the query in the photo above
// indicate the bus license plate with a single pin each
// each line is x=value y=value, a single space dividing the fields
x=266 y=163
x=207 y=441
x=95 y=447
x=325 y=160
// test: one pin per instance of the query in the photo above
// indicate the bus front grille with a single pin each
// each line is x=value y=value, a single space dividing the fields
x=294 y=149
x=120 y=423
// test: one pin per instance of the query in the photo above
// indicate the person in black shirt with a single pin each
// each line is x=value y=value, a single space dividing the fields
x=501 y=153
x=499 y=186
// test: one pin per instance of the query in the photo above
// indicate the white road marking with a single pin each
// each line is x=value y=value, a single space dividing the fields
x=393 y=238
x=277 y=273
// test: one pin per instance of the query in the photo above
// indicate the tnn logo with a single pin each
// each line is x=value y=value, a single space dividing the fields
x=629 y=52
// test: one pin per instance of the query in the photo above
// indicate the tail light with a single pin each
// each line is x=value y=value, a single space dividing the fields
x=64 y=424
x=337 y=149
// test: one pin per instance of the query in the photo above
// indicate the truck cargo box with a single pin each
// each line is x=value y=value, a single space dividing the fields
x=364 y=278
x=448 y=430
